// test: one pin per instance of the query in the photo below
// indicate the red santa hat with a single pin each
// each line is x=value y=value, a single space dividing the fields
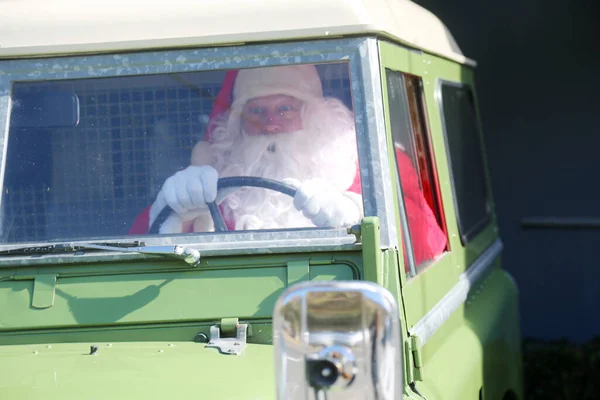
x=299 y=81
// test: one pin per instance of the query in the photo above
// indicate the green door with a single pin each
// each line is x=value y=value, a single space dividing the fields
x=448 y=232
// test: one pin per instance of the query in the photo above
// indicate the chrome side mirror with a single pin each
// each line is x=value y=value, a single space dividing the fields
x=337 y=340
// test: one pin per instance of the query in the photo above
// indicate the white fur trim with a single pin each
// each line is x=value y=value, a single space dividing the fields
x=299 y=81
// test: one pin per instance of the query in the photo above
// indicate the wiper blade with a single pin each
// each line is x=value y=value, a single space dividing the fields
x=66 y=247
x=189 y=255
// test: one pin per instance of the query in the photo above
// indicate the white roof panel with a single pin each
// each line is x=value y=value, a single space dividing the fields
x=57 y=27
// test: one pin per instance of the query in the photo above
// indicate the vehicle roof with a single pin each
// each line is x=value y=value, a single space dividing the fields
x=59 y=27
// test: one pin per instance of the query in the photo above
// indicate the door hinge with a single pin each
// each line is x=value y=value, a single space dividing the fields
x=414 y=359
x=44 y=288
x=297 y=271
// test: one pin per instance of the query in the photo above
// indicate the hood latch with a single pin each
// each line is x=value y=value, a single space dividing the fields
x=229 y=337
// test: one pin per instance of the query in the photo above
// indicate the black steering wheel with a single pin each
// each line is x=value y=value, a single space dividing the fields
x=222 y=183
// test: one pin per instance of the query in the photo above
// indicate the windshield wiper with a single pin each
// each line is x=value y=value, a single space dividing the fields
x=66 y=247
x=189 y=255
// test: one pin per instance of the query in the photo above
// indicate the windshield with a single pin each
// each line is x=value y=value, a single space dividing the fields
x=122 y=155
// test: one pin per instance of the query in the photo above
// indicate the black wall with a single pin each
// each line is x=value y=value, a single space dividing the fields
x=538 y=81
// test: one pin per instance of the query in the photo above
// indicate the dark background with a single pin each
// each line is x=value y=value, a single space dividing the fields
x=538 y=81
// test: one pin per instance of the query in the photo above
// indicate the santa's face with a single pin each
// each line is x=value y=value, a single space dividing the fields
x=280 y=137
x=272 y=114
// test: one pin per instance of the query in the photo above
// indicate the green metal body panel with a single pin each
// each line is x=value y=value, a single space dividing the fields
x=149 y=370
x=478 y=346
x=162 y=292
x=145 y=319
x=145 y=316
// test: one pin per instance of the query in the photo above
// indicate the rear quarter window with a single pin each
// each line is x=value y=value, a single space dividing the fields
x=465 y=152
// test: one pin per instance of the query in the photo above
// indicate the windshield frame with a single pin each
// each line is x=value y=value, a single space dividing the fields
x=362 y=57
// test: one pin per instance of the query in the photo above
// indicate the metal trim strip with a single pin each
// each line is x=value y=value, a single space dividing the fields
x=440 y=313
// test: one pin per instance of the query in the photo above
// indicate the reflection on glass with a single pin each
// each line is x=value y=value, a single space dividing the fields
x=118 y=150
x=423 y=234
x=465 y=150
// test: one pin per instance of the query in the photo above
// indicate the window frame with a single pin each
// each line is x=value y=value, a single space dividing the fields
x=421 y=109
x=404 y=236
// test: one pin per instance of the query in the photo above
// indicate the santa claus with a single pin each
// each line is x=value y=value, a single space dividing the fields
x=275 y=123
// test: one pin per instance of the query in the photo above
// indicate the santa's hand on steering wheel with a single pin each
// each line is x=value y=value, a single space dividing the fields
x=187 y=193
x=325 y=205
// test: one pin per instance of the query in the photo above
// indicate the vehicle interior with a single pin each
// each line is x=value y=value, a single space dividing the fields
x=85 y=157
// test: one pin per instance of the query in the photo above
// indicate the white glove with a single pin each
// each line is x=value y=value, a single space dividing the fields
x=325 y=205
x=187 y=193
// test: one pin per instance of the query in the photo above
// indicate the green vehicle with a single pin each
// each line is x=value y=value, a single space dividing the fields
x=246 y=200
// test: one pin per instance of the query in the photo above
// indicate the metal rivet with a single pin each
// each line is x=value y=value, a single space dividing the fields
x=160 y=350
x=48 y=346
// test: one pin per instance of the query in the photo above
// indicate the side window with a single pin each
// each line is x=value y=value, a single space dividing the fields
x=424 y=232
x=465 y=153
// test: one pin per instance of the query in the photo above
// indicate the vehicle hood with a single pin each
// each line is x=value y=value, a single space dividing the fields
x=148 y=370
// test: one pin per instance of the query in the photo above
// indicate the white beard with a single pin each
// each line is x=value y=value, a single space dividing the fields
x=326 y=149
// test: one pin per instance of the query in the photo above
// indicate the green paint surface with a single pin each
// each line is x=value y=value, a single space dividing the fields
x=151 y=370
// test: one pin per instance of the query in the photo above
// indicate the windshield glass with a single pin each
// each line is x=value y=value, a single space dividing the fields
x=99 y=157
